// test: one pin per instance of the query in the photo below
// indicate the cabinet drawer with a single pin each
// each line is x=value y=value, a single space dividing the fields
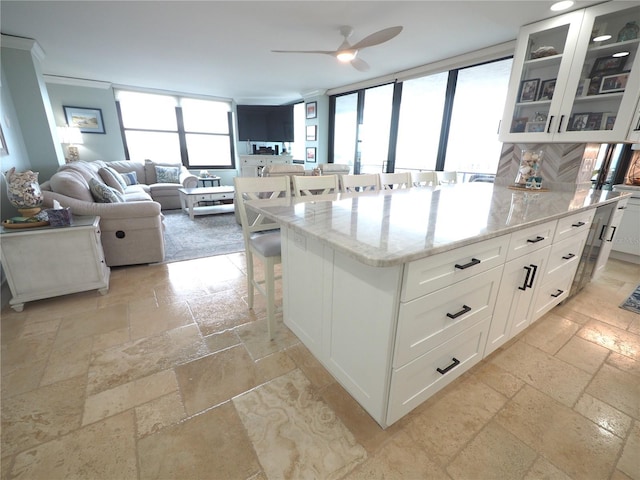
x=553 y=291
x=415 y=382
x=438 y=271
x=573 y=224
x=428 y=321
x=566 y=252
x=530 y=239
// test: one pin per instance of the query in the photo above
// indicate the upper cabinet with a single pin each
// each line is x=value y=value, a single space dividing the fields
x=575 y=78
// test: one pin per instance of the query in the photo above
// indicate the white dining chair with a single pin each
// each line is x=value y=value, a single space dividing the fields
x=315 y=185
x=425 y=178
x=368 y=182
x=265 y=246
x=445 y=178
x=391 y=181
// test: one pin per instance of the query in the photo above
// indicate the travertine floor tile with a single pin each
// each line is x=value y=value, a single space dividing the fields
x=40 y=415
x=295 y=434
x=86 y=324
x=585 y=355
x=629 y=462
x=604 y=415
x=550 y=333
x=102 y=450
x=220 y=311
x=617 y=388
x=624 y=363
x=493 y=453
x=615 y=339
x=311 y=367
x=255 y=338
x=498 y=378
x=542 y=469
x=26 y=351
x=444 y=427
x=273 y=366
x=151 y=321
x=574 y=444
x=213 y=444
x=159 y=413
x=211 y=380
x=562 y=381
x=400 y=458
x=68 y=361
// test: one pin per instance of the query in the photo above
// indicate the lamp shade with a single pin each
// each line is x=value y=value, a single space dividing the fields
x=70 y=135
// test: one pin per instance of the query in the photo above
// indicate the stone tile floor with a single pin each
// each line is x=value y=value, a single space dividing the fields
x=170 y=376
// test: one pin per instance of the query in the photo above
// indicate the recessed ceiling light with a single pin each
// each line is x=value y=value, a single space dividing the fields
x=620 y=54
x=558 y=6
x=602 y=38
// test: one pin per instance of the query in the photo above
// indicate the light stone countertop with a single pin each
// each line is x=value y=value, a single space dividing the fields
x=391 y=227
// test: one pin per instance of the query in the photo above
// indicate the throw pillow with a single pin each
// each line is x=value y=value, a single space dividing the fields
x=168 y=174
x=130 y=178
x=102 y=193
x=112 y=178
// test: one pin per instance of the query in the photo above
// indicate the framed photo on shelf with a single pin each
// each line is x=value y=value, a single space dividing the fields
x=88 y=120
x=614 y=83
x=607 y=66
x=546 y=89
x=608 y=121
x=534 y=126
x=594 y=121
x=311 y=154
x=578 y=121
x=518 y=124
x=528 y=90
x=312 y=133
x=312 y=109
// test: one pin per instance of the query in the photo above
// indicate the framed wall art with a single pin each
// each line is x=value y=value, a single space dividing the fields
x=311 y=154
x=312 y=133
x=88 y=120
x=312 y=109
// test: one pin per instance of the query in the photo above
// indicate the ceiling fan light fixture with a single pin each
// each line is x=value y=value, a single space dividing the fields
x=346 y=56
x=559 y=6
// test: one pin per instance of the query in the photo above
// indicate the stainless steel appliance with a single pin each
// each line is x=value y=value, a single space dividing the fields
x=593 y=247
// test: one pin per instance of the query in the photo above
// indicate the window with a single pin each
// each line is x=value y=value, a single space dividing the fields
x=345 y=128
x=169 y=128
x=299 y=129
x=375 y=128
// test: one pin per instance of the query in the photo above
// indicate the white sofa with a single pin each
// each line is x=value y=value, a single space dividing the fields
x=132 y=229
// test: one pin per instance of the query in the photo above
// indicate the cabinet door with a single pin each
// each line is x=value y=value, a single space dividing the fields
x=607 y=235
x=627 y=238
x=541 y=69
x=602 y=92
x=634 y=128
x=517 y=291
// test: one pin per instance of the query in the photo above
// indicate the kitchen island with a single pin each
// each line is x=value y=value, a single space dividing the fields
x=397 y=293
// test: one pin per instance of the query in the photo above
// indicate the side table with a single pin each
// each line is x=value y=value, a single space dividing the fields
x=46 y=262
x=212 y=181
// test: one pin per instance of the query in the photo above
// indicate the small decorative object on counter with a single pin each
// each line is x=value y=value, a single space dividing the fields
x=544 y=52
x=628 y=32
x=23 y=191
x=530 y=163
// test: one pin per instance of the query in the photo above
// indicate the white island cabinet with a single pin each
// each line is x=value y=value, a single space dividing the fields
x=395 y=292
x=46 y=262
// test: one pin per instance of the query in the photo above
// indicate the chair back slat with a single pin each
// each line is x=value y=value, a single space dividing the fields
x=368 y=182
x=389 y=181
x=258 y=188
x=424 y=178
x=315 y=185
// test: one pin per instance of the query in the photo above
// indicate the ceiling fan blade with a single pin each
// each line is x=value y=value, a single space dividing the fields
x=326 y=52
x=377 y=38
x=360 y=64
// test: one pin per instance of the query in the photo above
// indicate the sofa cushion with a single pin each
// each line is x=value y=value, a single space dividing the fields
x=71 y=184
x=150 y=170
x=130 y=178
x=124 y=166
x=167 y=174
x=103 y=193
x=112 y=178
x=88 y=170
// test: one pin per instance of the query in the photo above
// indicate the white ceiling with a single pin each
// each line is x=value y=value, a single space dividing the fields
x=223 y=48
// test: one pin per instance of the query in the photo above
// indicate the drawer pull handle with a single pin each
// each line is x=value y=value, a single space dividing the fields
x=579 y=224
x=556 y=295
x=622 y=208
x=474 y=261
x=602 y=230
x=455 y=363
x=613 y=232
x=535 y=240
x=526 y=279
x=465 y=309
x=569 y=256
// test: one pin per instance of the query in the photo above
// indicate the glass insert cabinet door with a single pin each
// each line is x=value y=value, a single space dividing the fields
x=575 y=77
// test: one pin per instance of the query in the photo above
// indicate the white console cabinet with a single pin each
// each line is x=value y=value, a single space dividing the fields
x=252 y=165
x=48 y=262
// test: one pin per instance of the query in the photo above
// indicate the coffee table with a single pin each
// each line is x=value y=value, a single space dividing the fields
x=190 y=199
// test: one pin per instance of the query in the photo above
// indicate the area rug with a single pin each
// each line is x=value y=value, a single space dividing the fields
x=633 y=302
x=204 y=236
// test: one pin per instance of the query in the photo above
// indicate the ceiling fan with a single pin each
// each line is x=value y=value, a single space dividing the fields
x=347 y=53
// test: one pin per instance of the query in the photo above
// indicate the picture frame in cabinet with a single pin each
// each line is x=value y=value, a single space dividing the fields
x=614 y=83
x=607 y=66
x=578 y=122
x=547 y=88
x=534 y=126
x=608 y=121
x=519 y=124
x=529 y=90
x=594 y=121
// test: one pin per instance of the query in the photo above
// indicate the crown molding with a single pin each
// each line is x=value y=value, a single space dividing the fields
x=76 y=82
x=23 y=43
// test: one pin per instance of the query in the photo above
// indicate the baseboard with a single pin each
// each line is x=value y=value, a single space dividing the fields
x=625 y=257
